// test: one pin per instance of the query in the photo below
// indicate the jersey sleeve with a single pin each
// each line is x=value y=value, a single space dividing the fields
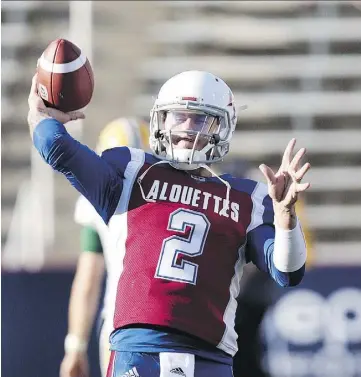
x=261 y=237
x=98 y=178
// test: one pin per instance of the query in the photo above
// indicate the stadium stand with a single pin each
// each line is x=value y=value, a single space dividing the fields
x=295 y=64
x=26 y=27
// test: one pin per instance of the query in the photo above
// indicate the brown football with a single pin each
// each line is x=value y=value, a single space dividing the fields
x=65 y=76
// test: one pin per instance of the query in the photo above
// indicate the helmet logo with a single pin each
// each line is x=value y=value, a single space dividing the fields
x=189 y=98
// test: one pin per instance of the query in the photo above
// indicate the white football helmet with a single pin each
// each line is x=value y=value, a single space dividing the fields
x=192 y=120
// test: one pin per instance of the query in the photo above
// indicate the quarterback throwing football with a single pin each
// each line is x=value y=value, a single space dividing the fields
x=182 y=234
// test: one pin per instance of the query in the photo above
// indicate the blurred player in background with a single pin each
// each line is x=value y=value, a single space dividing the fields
x=94 y=260
x=182 y=233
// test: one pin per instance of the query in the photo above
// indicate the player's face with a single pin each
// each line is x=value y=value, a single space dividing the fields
x=185 y=125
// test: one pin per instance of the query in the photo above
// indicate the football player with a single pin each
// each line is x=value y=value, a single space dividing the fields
x=90 y=270
x=188 y=232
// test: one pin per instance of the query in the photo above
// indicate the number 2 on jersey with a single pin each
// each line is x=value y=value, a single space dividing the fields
x=192 y=246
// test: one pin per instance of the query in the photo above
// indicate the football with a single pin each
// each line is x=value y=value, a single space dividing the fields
x=65 y=76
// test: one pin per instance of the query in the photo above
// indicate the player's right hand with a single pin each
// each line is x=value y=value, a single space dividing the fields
x=75 y=364
x=285 y=185
x=38 y=111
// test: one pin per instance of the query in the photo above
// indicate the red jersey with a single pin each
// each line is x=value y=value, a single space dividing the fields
x=182 y=248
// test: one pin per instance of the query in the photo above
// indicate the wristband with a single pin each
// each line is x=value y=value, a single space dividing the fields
x=289 y=252
x=73 y=343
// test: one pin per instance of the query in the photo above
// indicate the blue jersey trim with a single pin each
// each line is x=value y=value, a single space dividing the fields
x=150 y=158
x=118 y=158
x=268 y=214
x=240 y=184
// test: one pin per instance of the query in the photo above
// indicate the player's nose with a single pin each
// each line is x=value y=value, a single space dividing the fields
x=188 y=124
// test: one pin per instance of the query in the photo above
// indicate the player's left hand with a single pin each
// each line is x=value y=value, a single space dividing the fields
x=285 y=185
x=38 y=111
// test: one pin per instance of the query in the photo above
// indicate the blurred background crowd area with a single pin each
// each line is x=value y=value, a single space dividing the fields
x=296 y=64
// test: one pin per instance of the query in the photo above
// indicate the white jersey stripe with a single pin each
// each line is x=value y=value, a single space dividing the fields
x=118 y=225
x=64 y=67
x=258 y=195
x=229 y=339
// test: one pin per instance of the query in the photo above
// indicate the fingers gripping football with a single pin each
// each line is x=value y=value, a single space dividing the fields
x=285 y=185
x=38 y=111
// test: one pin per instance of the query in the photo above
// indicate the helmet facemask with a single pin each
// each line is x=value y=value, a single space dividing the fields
x=188 y=134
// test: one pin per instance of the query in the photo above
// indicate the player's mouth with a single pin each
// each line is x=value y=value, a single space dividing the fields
x=187 y=142
x=183 y=141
